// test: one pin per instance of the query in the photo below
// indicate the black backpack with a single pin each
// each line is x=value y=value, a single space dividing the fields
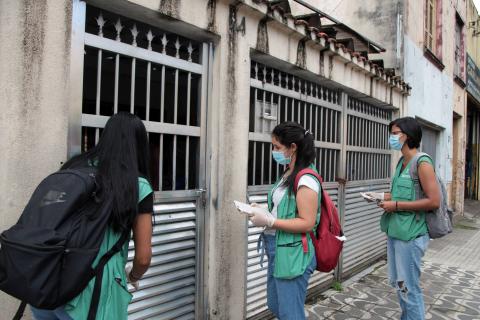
x=46 y=257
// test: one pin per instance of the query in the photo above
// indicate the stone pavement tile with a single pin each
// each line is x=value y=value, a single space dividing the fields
x=384 y=312
x=463 y=292
x=361 y=304
x=355 y=312
x=453 y=305
x=442 y=314
x=338 y=315
x=320 y=312
x=332 y=304
x=434 y=314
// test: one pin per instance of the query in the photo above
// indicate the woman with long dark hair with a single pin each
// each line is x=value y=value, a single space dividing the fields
x=288 y=216
x=122 y=161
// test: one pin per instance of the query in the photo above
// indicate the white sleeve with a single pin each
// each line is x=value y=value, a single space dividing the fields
x=309 y=182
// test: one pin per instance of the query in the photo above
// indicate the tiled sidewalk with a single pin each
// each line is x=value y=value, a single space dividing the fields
x=450 y=293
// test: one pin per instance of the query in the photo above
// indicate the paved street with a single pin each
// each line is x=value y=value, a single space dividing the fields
x=450 y=279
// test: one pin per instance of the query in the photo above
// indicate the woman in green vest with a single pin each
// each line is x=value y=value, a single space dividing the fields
x=288 y=216
x=122 y=158
x=404 y=218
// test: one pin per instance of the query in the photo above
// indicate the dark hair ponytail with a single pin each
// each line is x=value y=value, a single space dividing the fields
x=291 y=132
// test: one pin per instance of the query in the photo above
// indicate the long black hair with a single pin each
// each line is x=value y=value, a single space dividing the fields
x=291 y=132
x=121 y=156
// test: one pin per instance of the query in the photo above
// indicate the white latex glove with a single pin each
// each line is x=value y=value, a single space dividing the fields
x=379 y=196
x=261 y=217
x=128 y=269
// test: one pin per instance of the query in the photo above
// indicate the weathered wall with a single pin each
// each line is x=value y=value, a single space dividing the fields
x=428 y=81
x=379 y=20
x=459 y=145
x=431 y=100
x=34 y=73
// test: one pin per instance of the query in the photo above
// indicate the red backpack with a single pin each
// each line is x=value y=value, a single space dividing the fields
x=327 y=246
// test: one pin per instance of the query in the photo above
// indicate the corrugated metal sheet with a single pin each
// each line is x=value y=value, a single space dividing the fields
x=365 y=242
x=167 y=290
x=257 y=275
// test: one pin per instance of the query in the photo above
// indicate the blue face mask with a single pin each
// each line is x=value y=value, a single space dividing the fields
x=280 y=157
x=395 y=143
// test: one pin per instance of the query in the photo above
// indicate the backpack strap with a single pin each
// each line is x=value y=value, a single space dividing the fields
x=97 y=272
x=21 y=310
x=413 y=172
x=399 y=161
x=295 y=188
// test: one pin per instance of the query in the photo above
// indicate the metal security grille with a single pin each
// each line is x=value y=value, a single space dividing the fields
x=368 y=168
x=160 y=77
x=365 y=242
x=368 y=153
x=276 y=97
x=351 y=140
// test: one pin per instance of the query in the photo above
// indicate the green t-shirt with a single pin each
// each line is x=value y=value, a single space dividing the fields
x=114 y=298
x=404 y=225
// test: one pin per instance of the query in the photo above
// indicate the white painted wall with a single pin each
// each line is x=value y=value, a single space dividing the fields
x=431 y=99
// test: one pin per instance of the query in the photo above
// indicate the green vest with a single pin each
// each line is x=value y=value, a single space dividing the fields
x=404 y=225
x=114 y=298
x=290 y=260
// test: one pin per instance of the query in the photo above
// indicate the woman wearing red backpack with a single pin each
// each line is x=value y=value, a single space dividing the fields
x=289 y=215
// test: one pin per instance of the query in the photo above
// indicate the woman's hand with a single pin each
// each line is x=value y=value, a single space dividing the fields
x=128 y=271
x=261 y=217
x=388 y=206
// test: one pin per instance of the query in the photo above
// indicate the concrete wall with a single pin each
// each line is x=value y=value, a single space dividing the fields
x=34 y=73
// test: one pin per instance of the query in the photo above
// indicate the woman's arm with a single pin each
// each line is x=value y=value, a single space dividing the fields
x=430 y=187
x=142 y=237
x=307 y=205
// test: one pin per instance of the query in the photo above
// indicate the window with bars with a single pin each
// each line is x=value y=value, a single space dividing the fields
x=430 y=25
x=134 y=67
x=277 y=97
x=368 y=152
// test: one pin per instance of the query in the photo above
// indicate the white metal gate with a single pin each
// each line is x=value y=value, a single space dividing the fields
x=351 y=139
x=161 y=77
x=368 y=164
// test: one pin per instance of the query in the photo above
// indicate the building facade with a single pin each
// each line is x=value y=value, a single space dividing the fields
x=210 y=79
x=472 y=177
x=426 y=45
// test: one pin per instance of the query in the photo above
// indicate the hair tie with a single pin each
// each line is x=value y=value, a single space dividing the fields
x=306 y=132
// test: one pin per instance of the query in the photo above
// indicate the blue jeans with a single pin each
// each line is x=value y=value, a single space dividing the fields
x=404 y=260
x=286 y=297
x=57 y=314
